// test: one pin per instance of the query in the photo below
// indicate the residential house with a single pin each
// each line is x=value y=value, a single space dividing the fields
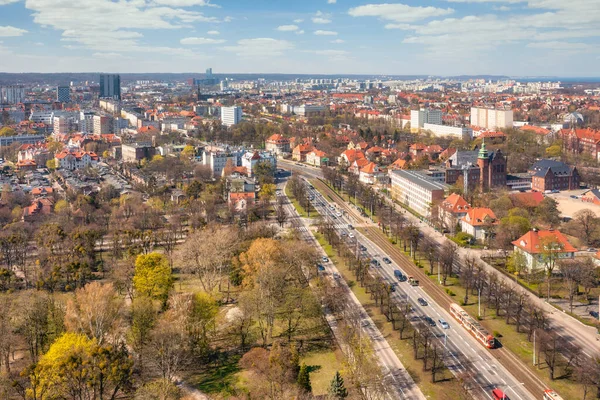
x=451 y=210
x=349 y=156
x=278 y=144
x=73 y=160
x=542 y=248
x=369 y=174
x=250 y=159
x=591 y=196
x=356 y=165
x=300 y=151
x=317 y=158
x=38 y=208
x=553 y=175
x=477 y=223
x=581 y=141
x=240 y=201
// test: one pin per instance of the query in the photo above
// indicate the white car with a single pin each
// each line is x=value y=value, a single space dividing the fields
x=351 y=235
x=443 y=323
x=325 y=259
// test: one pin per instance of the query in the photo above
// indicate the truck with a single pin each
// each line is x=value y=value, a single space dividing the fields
x=412 y=281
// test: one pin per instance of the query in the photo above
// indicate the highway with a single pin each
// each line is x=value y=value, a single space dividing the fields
x=585 y=336
x=397 y=381
x=465 y=353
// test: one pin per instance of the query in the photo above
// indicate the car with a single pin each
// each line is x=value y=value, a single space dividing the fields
x=429 y=321
x=362 y=248
x=393 y=286
x=592 y=250
x=320 y=267
x=351 y=235
x=339 y=214
x=333 y=217
x=573 y=196
x=386 y=260
x=344 y=234
x=336 y=275
x=350 y=226
x=422 y=301
x=443 y=323
x=555 y=191
x=325 y=259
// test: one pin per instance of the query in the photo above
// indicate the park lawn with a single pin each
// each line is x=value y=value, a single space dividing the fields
x=444 y=390
x=514 y=341
x=323 y=366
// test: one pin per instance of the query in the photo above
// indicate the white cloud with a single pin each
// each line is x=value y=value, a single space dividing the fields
x=200 y=41
x=213 y=33
x=325 y=33
x=5 y=2
x=398 y=12
x=334 y=53
x=113 y=26
x=297 y=21
x=501 y=8
x=300 y=32
x=227 y=19
x=108 y=55
x=331 y=1
x=260 y=47
x=337 y=41
x=184 y=3
x=560 y=45
x=321 y=18
x=287 y=28
x=11 y=31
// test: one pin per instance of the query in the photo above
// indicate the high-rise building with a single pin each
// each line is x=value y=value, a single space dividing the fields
x=209 y=73
x=60 y=126
x=63 y=94
x=418 y=118
x=490 y=118
x=102 y=125
x=13 y=94
x=110 y=86
x=231 y=115
x=86 y=121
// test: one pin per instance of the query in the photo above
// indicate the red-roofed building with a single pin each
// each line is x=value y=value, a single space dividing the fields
x=72 y=160
x=317 y=158
x=400 y=163
x=38 y=207
x=240 y=201
x=369 y=173
x=581 y=141
x=299 y=153
x=277 y=144
x=357 y=165
x=541 y=248
x=526 y=200
x=349 y=156
x=452 y=210
x=477 y=222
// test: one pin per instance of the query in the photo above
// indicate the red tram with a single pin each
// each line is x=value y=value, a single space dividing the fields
x=470 y=324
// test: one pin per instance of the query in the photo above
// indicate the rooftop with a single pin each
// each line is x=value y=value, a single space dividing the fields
x=420 y=179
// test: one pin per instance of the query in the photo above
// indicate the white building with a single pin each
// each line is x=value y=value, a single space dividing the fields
x=307 y=110
x=447 y=130
x=491 y=118
x=73 y=160
x=102 y=125
x=418 y=118
x=60 y=126
x=86 y=121
x=231 y=115
x=416 y=191
x=250 y=159
x=217 y=160
x=12 y=94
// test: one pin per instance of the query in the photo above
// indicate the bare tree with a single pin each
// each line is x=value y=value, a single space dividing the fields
x=447 y=257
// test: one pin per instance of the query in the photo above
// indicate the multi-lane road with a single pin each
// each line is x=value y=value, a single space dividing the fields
x=465 y=353
x=397 y=382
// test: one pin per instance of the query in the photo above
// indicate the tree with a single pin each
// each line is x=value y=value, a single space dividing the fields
x=547 y=212
x=7 y=131
x=337 y=388
x=94 y=310
x=153 y=276
x=188 y=152
x=202 y=318
x=551 y=248
x=158 y=389
x=264 y=172
x=304 y=378
x=77 y=367
x=168 y=349
x=587 y=224
x=143 y=319
x=51 y=164
x=194 y=189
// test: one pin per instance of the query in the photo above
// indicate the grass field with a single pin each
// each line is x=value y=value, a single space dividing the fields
x=323 y=366
x=313 y=212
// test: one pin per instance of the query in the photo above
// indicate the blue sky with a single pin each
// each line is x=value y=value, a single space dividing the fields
x=441 y=37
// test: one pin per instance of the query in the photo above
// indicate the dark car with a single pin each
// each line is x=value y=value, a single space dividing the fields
x=422 y=301
x=320 y=267
x=429 y=321
x=362 y=248
x=386 y=260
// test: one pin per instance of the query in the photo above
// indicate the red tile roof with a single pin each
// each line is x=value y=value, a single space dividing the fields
x=532 y=241
x=480 y=216
x=455 y=204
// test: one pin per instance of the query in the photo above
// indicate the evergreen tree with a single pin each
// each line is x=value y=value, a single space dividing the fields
x=304 y=378
x=337 y=388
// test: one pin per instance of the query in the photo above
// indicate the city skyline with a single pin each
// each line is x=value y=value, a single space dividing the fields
x=444 y=37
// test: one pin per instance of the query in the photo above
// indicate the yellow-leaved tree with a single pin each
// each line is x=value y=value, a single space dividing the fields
x=153 y=277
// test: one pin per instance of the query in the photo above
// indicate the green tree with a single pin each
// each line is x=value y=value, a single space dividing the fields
x=554 y=151
x=264 y=172
x=153 y=277
x=194 y=189
x=6 y=131
x=337 y=388
x=202 y=319
x=51 y=164
x=517 y=263
x=304 y=378
x=188 y=152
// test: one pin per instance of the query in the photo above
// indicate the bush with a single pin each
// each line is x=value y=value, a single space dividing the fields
x=497 y=334
x=464 y=239
x=450 y=292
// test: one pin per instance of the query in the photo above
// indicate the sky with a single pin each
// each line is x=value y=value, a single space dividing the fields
x=425 y=37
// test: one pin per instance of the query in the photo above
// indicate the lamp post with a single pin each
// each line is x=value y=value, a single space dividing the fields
x=479 y=302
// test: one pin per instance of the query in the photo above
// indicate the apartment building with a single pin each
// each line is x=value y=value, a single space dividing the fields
x=491 y=118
